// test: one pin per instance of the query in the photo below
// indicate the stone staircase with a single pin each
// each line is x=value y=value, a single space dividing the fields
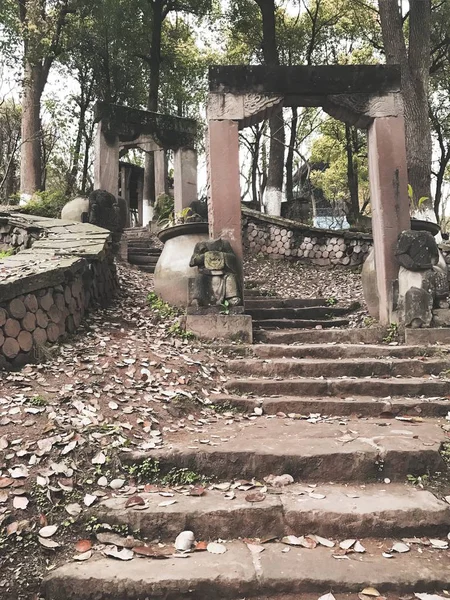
x=349 y=418
x=144 y=248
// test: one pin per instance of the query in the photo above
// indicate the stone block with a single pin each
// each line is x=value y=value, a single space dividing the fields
x=418 y=308
x=236 y=328
x=441 y=317
x=426 y=337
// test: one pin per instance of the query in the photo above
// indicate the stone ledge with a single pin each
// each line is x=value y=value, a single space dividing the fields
x=428 y=336
x=59 y=251
x=57 y=274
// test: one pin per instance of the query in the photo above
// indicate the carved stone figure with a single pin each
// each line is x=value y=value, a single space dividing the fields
x=104 y=211
x=218 y=278
x=422 y=279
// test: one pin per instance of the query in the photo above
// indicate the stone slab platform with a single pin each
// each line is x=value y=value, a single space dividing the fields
x=376 y=387
x=366 y=406
x=345 y=512
x=348 y=367
x=238 y=574
x=336 y=351
x=428 y=336
x=318 y=452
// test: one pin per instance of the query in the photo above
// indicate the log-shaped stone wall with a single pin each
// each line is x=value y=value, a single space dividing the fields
x=278 y=237
x=46 y=290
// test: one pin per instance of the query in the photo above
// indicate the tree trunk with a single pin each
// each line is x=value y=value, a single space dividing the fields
x=73 y=173
x=415 y=67
x=30 y=156
x=352 y=178
x=274 y=189
x=290 y=156
x=152 y=101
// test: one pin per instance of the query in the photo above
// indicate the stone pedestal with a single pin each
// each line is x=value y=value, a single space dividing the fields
x=214 y=326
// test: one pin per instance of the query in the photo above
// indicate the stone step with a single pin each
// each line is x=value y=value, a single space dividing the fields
x=308 y=336
x=317 y=452
x=147 y=268
x=366 y=406
x=138 y=259
x=144 y=250
x=374 y=510
x=432 y=335
x=336 y=351
x=299 y=323
x=379 y=388
x=241 y=573
x=252 y=293
x=309 y=312
x=342 y=367
x=271 y=302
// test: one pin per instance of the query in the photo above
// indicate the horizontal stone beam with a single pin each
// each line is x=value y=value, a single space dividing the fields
x=305 y=80
x=129 y=124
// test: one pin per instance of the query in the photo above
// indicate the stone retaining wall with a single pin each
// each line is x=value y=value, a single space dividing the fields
x=277 y=237
x=45 y=291
x=16 y=236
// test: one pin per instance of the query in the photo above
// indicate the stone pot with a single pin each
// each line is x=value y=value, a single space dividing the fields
x=172 y=272
x=421 y=225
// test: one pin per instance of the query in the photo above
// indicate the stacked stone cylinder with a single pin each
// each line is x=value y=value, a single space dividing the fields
x=29 y=321
x=308 y=245
x=16 y=238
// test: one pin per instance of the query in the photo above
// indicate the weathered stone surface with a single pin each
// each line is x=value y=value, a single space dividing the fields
x=238 y=574
x=417 y=250
x=346 y=511
x=12 y=328
x=104 y=210
x=76 y=210
x=25 y=340
x=418 y=306
x=307 y=452
x=237 y=328
x=29 y=322
x=428 y=336
x=10 y=347
x=16 y=308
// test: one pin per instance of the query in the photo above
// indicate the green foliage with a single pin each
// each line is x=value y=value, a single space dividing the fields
x=45 y=204
x=163 y=309
x=37 y=401
x=177 y=329
x=147 y=471
x=6 y=253
x=225 y=308
x=416 y=203
x=331 y=301
x=164 y=209
x=182 y=477
x=419 y=480
x=391 y=334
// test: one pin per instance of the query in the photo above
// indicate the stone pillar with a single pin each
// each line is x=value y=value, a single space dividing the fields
x=148 y=192
x=161 y=184
x=224 y=186
x=389 y=202
x=185 y=178
x=106 y=161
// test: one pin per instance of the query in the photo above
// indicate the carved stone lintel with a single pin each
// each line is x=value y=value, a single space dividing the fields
x=361 y=109
x=245 y=108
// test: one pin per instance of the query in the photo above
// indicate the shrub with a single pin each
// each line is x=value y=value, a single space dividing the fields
x=45 y=204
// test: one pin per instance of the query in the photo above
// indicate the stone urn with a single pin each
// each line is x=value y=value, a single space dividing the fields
x=172 y=272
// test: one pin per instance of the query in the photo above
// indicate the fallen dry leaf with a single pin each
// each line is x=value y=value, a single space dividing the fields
x=83 y=546
x=48 y=531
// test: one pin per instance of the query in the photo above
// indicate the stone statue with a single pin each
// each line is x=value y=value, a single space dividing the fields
x=422 y=279
x=218 y=278
x=104 y=211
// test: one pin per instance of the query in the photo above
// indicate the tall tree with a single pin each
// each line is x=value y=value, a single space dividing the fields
x=159 y=10
x=41 y=25
x=414 y=60
x=274 y=191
